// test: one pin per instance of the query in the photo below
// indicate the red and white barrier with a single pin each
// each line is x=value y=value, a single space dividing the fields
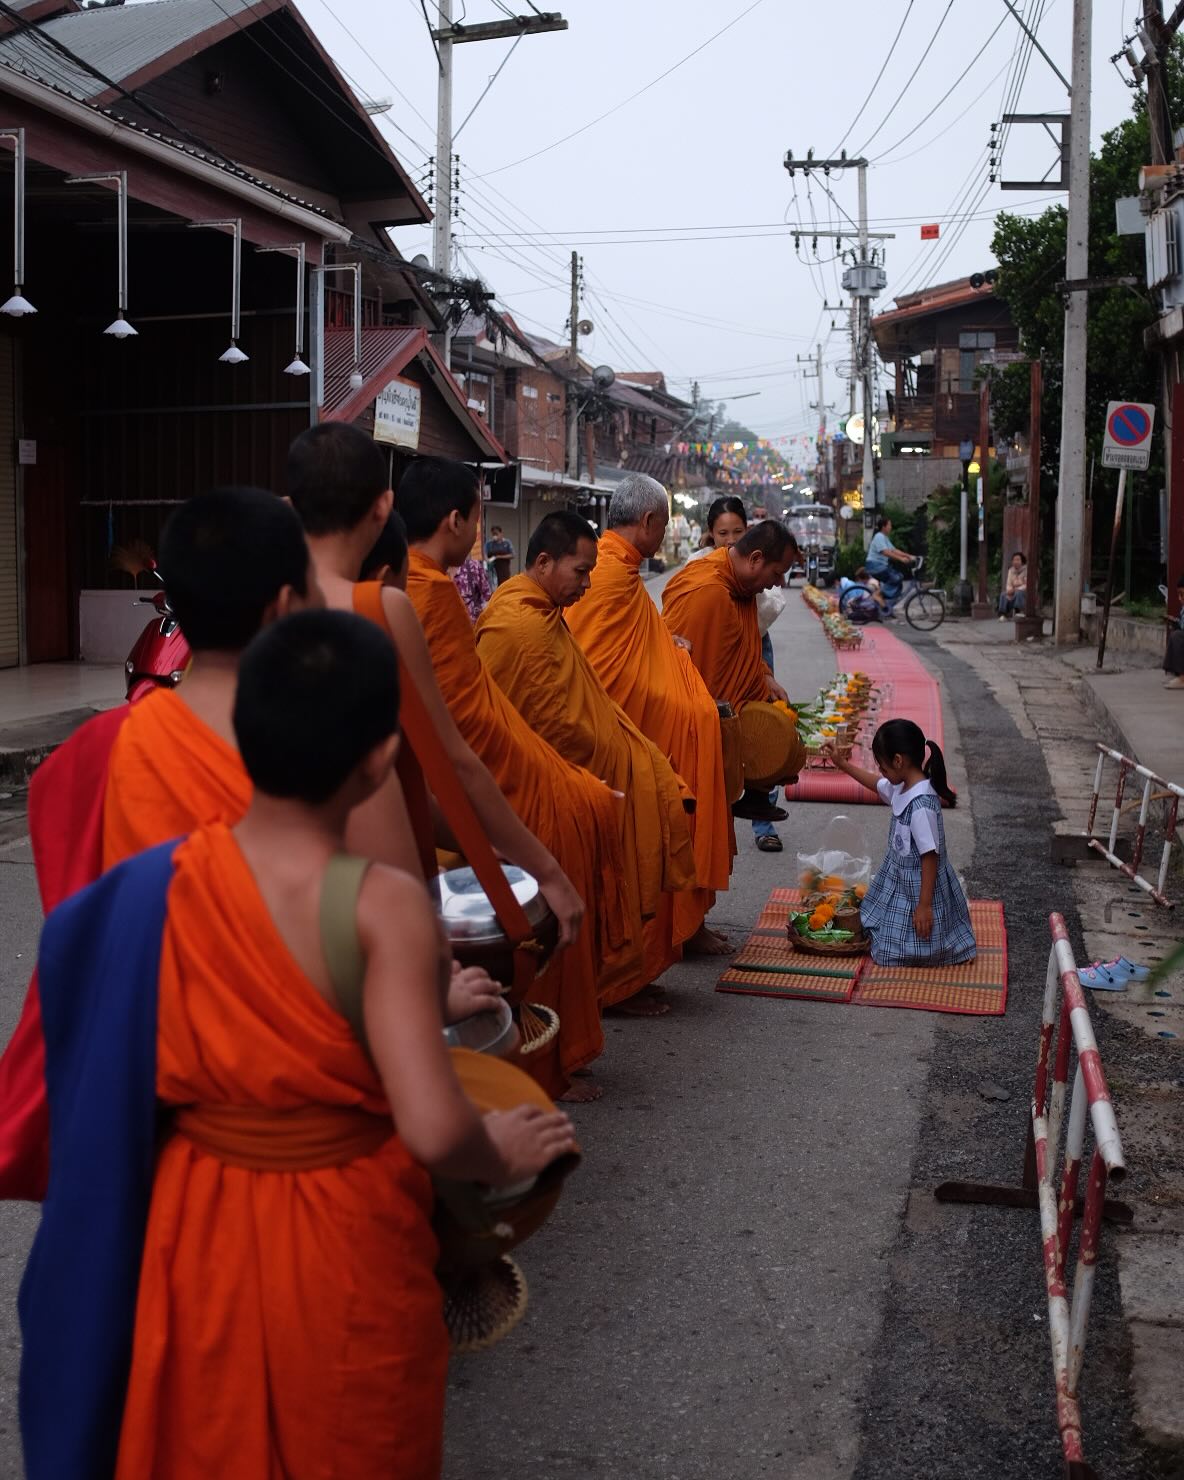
x=1165 y=791
x=1065 y=1026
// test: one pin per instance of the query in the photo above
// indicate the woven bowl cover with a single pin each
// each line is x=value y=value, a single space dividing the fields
x=772 y=750
x=484 y=1305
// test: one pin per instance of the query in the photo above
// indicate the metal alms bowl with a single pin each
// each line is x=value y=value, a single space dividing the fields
x=473 y=929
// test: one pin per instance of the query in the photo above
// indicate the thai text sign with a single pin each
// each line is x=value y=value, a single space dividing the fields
x=397 y=413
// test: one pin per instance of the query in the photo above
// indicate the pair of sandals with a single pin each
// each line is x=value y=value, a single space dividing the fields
x=1111 y=976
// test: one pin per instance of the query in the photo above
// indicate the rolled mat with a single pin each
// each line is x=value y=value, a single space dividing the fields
x=915 y=695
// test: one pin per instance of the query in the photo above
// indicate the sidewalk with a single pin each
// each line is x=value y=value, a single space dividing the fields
x=1070 y=706
x=43 y=704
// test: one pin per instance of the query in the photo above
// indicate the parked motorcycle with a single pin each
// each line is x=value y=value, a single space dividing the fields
x=160 y=655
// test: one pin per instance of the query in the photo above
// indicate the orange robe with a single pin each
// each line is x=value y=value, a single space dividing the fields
x=574 y=815
x=168 y=774
x=288 y=1321
x=654 y=681
x=704 y=604
x=525 y=644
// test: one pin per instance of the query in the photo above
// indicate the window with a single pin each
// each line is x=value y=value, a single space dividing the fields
x=970 y=347
x=530 y=392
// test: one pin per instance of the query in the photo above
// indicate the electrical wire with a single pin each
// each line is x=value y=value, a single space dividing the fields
x=876 y=83
x=973 y=61
x=378 y=67
x=488 y=85
x=435 y=46
x=584 y=127
x=921 y=62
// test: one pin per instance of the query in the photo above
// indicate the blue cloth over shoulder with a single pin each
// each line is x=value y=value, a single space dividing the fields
x=98 y=967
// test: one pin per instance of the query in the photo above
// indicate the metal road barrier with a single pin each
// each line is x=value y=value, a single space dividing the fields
x=1065 y=1025
x=1165 y=791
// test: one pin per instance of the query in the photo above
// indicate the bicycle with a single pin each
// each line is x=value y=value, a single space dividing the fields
x=924 y=606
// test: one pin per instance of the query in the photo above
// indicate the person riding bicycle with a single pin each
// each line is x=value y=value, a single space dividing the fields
x=882 y=557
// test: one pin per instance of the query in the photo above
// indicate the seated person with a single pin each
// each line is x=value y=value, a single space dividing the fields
x=1015 y=589
x=883 y=560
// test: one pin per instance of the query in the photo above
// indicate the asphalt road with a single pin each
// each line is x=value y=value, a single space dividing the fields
x=749 y=1277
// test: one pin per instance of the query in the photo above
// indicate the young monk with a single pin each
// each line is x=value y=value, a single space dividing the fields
x=234 y=560
x=712 y=604
x=649 y=673
x=573 y=813
x=287 y=1319
x=525 y=644
x=337 y=482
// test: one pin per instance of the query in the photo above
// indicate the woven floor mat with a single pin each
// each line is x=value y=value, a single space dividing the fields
x=768 y=966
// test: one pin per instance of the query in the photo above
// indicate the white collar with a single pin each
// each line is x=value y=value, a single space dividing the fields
x=901 y=798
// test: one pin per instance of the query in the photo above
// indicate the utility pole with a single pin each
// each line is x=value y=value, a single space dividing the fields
x=573 y=364
x=864 y=280
x=447 y=35
x=1157 y=38
x=1071 y=489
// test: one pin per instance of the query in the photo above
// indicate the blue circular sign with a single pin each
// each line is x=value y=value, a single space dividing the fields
x=1129 y=425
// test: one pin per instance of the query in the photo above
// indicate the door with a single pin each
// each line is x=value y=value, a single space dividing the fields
x=50 y=600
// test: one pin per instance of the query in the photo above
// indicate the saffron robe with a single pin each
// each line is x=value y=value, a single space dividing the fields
x=288 y=1321
x=655 y=682
x=525 y=644
x=573 y=814
x=705 y=604
x=66 y=830
x=169 y=774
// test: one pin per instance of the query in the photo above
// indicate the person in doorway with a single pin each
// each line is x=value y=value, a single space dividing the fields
x=499 y=552
x=1015 y=589
x=884 y=561
x=1173 y=658
x=915 y=911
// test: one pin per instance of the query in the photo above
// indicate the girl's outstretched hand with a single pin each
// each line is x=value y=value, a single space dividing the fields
x=923 y=921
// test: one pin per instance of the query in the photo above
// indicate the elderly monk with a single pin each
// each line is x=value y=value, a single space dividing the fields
x=571 y=811
x=270 y=1236
x=651 y=676
x=525 y=644
x=711 y=603
x=338 y=483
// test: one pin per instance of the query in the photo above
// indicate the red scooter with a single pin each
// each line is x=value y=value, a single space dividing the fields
x=161 y=655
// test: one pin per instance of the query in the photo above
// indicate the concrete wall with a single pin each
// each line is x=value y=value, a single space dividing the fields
x=910 y=480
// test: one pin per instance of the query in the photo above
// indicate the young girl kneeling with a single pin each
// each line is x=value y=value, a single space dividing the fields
x=915 y=910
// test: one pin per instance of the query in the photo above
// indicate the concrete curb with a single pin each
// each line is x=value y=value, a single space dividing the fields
x=24 y=746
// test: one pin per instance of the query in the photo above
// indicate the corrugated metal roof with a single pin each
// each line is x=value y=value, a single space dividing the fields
x=118 y=41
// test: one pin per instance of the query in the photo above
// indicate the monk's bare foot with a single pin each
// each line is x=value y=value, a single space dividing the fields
x=650 y=1002
x=583 y=1090
x=707 y=942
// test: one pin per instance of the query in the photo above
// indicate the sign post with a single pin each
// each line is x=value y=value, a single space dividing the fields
x=1127 y=446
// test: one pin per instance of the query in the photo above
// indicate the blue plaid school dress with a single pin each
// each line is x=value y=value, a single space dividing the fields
x=887 y=910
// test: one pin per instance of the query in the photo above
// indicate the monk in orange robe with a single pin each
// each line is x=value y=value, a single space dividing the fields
x=711 y=604
x=572 y=812
x=288 y=1321
x=524 y=642
x=649 y=673
x=235 y=560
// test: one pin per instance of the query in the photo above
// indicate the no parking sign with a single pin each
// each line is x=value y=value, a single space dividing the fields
x=1128 y=435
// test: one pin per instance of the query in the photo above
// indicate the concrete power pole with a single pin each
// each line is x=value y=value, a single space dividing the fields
x=446 y=35
x=573 y=364
x=864 y=280
x=1071 y=489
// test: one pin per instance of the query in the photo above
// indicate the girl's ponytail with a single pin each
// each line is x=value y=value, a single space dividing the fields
x=934 y=770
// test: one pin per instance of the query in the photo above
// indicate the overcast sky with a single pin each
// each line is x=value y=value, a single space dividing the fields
x=677 y=200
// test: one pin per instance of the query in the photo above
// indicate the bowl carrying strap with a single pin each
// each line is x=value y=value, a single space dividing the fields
x=339 y=937
x=445 y=784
